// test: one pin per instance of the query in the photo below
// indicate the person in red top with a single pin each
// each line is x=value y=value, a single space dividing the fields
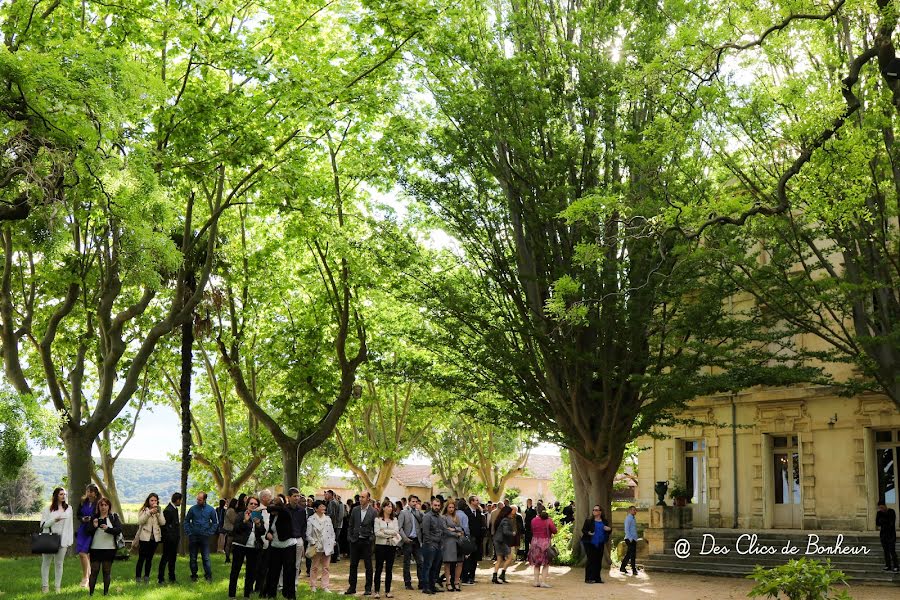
x=542 y=529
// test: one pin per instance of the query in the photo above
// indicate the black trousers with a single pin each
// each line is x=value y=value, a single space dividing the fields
x=890 y=553
x=169 y=554
x=471 y=562
x=410 y=554
x=335 y=556
x=146 y=550
x=262 y=569
x=238 y=554
x=360 y=550
x=527 y=541
x=282 y=560
x=630 y=555
x=594 y=565
x=384 y=561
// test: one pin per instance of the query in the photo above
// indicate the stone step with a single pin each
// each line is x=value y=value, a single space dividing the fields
x=870 y=574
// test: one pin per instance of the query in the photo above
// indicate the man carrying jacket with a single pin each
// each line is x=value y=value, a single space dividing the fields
x=171 y=534
x=199 y=524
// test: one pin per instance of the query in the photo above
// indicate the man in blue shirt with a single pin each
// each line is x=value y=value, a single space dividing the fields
x=199 y=524
x=631 y=537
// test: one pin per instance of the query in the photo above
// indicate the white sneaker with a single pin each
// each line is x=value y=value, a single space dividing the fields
x=545 y=585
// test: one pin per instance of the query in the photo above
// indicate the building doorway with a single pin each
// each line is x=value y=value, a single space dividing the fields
x=695 y=479
x=887 y=449
x=786 y=482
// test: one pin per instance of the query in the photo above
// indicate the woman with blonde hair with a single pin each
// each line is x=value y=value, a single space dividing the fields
x=57 y=518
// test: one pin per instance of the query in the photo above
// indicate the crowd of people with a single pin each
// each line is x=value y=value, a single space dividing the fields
x=271 y=539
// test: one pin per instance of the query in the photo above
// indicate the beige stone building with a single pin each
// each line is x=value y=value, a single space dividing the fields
x=781 y=458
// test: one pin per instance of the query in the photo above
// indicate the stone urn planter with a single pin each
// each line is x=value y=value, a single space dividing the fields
x=661 y=488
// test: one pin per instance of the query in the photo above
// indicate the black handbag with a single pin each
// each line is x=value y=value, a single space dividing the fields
x=465 y=545
x=45 y=542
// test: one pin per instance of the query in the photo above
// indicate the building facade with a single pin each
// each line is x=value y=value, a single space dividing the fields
x=780 y=458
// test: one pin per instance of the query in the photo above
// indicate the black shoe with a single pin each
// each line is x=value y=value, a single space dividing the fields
x=208 y=579
x=887 y=569
x=194 y=578
x=367 y=593
x=350 y=592
x=503 y=576
x=408 y=586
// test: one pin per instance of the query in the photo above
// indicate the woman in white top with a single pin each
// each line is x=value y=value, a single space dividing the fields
x=58 y=519
x=320 y=533
x=387 y=538
x=105 y=528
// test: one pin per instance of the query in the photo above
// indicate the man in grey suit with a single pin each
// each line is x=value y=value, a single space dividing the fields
x=361 y=535
x=335 y=511
x=410 y=521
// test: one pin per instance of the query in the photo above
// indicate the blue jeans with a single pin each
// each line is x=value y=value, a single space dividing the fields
x=201 y=543
x=431 y=558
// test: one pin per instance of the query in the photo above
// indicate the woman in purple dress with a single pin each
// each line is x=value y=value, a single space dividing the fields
x=83 y=539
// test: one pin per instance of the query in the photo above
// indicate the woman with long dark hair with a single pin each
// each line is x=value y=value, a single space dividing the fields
x=105 y=528
x=84 y=513
x=150 y=524
x=387 y=538
x=231 y=516
x=57 y=518
x=594 y=535
x=503 y=538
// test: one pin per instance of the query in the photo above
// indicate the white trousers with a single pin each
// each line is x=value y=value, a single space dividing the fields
x=57 y=567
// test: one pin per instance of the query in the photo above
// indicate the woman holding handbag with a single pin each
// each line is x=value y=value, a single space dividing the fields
x=57 y=518
x=387 y=538
x=450 y=554
x=542 y=529
x=105 y=530
x=503 y=537
x=320 y=537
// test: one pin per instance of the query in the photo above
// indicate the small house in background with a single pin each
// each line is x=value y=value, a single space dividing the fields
x=534 y=483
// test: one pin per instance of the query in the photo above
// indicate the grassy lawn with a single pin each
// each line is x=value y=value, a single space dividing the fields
x=20 y=578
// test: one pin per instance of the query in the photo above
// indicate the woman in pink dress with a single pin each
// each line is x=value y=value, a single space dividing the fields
x=542 y=529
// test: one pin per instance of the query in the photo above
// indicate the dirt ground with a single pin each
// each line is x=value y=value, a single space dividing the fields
x=568 y=584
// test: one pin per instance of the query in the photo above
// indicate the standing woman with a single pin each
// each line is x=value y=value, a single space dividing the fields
x=150 y=524
x=105 y=527
x=58 y=519
x=247 y=540
x=320 y=533
x=228 y=522
x=594 y=534
x=503 y=537
x=542 y=529
x=343 y=541
x=518 y=524
x=387 y=538
x=450 y=553
x=84 y=513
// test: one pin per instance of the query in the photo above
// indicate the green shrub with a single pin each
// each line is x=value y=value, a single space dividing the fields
x=801 y=579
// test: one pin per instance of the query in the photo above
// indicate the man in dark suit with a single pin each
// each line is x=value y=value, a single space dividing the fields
x=171 y=535
x=476 y=532
x=886 y=521
x=530 y=513
x=361 y=535
x=410 y=522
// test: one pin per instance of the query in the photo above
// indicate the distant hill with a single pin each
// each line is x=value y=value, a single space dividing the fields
x=135 y=478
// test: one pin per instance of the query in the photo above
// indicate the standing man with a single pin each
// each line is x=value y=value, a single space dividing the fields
x=530 y=513
x=476 y=532
x=200 y=524
x=630 y=541
x=410 y=521
x=886 y=521
x=569 y=513
x=432 y=538
x=262 y=562
x=361 y=535
x=334 y=509
x=297 y=510
x=171 y=535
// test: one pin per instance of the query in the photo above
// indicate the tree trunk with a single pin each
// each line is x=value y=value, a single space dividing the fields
x=107 y=485
x=80 y=466
x=493 y=494
x=593 y=485
x=290 y=465
x=184 y=389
